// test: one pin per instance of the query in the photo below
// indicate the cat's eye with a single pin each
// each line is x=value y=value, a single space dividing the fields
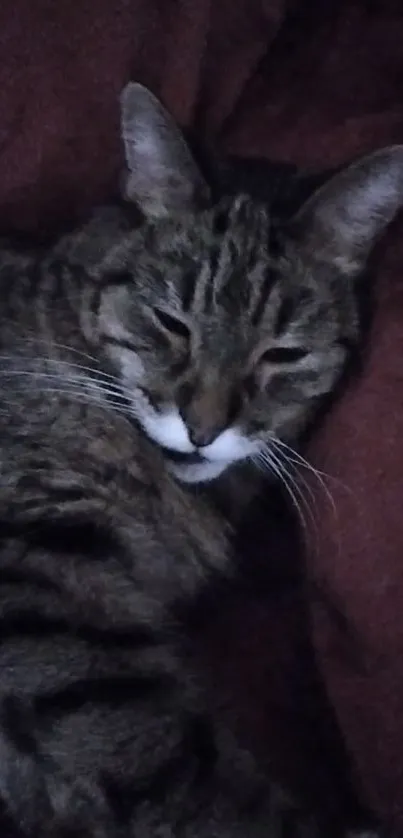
x=172 y=324
x=284 y=354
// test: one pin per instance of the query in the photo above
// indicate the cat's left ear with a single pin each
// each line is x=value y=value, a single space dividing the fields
x=162 y=177
x=341 y=222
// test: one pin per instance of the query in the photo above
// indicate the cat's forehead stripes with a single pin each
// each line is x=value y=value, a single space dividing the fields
x=233 y=266
x=262 y=293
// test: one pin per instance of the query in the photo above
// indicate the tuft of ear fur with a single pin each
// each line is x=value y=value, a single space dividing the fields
x=162 y=177
x=341 y=222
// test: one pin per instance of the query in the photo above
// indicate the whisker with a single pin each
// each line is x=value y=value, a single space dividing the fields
x=63 y=346
x=291 y=462
x=63 y=390
x=93 y=370
x=326 y=476
x=300 y=461
x=58 y=362
x=88 y=398
x=297 y=489
x=266 y=460
x=83 y=383
x=312 y=508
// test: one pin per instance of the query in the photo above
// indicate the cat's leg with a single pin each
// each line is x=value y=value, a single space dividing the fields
x=192 y=794
x=115 y=740
x=37 y=796
x=46 y=802
x=145 y=767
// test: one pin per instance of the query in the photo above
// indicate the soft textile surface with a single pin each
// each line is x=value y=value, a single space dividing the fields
x=313 y=83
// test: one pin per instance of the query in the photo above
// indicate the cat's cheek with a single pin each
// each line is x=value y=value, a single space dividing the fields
x=287 y=421
x=129 y=364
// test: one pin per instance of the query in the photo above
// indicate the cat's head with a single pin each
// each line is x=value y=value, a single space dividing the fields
x=226 y=329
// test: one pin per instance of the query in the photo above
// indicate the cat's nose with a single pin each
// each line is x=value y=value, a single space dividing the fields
x=200 y=437
x=205 y=414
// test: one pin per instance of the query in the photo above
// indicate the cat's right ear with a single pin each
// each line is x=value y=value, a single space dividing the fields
x=342 y=221
x=162 y=177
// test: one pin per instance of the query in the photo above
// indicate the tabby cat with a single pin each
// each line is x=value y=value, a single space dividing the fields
x=138 y=355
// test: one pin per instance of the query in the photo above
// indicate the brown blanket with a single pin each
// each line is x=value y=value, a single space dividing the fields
x=313 y=83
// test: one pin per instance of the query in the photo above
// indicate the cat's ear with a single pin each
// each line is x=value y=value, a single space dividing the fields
x=341 y=222
x=162 y=177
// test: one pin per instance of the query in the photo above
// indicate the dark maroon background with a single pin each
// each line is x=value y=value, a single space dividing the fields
x=313 y=83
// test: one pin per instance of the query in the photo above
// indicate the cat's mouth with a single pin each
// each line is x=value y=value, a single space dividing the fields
x=191 y=459
x=193 y=467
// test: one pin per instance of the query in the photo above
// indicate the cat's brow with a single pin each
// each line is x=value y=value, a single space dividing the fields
x=270 y=279
x=284 y=315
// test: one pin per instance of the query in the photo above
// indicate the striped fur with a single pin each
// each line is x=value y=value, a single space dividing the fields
x=131 y=356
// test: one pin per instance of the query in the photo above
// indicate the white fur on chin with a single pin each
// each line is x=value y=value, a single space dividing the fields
x=201 y=472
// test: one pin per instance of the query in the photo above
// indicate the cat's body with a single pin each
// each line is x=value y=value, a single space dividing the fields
x=134 y=361
x=103 y=725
